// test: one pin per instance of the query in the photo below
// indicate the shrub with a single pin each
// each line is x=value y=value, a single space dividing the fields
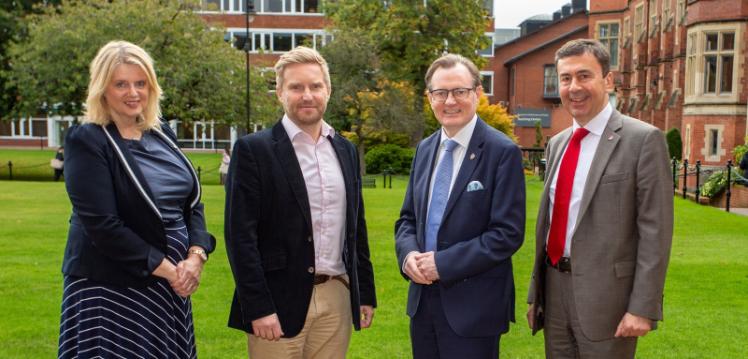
x=674 y=144
x=716 y=183
x=389 y=157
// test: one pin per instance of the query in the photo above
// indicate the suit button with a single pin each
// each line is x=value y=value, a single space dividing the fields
x=310 y=270
x=309 y=239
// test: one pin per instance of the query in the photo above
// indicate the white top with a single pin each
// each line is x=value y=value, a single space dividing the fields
x=458 y=154
x=587 y=150
x=325 y=187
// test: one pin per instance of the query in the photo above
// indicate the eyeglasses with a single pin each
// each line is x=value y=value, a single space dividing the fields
x=459 y=93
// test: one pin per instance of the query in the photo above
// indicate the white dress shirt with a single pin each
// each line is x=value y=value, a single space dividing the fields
x=325 y=187
x=462 y=137
x=587 y=150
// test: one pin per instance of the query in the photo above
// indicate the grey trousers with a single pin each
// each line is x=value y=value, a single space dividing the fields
x=563 y=333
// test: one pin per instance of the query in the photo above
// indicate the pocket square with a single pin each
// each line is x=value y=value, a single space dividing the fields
x=474 y=186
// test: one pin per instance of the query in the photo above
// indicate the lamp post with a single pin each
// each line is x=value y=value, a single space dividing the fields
x=247 y=47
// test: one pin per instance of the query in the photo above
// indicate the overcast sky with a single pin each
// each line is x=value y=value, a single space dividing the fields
x=509 y=13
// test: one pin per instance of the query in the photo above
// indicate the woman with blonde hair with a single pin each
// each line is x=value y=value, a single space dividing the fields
x=137 y=241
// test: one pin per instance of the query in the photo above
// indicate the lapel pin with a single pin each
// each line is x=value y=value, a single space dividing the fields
x=610 y=138
x=472 y=156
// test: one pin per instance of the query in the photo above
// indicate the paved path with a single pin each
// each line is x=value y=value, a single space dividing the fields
x=741 y=211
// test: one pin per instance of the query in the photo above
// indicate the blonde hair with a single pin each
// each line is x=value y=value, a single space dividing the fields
x=301 y=55
x=110 y=56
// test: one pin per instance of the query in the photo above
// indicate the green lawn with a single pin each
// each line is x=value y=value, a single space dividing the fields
x=706 y=302
x=33 y=164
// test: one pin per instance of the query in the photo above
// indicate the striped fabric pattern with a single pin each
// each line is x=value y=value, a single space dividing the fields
x=100 y=320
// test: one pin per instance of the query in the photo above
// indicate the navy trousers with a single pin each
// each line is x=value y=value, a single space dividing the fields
x=432 y=337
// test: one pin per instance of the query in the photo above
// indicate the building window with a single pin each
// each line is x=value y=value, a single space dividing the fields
x=718 y=53
x=626 y=32
x=639 y=23
x=713 y=144
x=488 y=52
x=713 y=151
x=607 y=34
x=487 y=82
x=283 y=6
x=667 y=17
x=718 y=59
x=550 y=81
x=653 y=24
x=224 y=5
x=267 y=40
x=681 y=13
x=711 y=63
x=687 y=154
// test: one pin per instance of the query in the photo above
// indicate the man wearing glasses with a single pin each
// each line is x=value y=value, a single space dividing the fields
x=462 y=219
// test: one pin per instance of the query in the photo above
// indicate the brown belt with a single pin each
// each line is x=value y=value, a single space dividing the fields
x=322 y=278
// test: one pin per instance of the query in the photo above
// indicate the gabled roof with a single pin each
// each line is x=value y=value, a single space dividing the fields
x=514 y=59
x=544 y=28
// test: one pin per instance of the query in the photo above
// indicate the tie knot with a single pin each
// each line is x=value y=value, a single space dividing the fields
x=449 y=145
x=579 y=134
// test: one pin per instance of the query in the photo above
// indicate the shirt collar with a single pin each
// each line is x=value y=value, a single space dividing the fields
x=293 y=131
x=463 y=135
x=598 y=123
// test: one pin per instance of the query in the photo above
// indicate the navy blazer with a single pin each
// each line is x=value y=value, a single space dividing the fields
x=480 y=231
x=116 y=232
x=269 y=233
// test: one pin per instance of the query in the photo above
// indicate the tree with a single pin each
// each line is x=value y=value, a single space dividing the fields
x=408 y=35
x=202 y=76
x=367 y=107
x=674 y=143
x=12 y=30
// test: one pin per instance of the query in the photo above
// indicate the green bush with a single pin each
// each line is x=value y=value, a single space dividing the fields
x=716 y=183
x=389 y=157
x=674 y=144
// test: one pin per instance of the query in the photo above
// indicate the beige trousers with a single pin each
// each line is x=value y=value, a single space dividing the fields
x=326 y=332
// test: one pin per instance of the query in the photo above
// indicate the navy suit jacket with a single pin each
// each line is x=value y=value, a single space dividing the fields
x=116 y=233
x=480 y=231
x=269 y=233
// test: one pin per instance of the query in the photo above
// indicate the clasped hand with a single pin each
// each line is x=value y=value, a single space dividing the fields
x=187 y=276
x=421 y=267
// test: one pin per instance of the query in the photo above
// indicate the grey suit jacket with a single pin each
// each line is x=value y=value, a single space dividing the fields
x=621 y=241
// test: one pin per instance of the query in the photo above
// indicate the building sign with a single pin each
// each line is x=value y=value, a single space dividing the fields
x=527 y=117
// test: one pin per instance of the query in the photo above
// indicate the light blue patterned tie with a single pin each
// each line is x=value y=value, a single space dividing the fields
x=439 y=195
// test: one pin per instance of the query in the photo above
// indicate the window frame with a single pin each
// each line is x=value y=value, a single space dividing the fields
x=554 y=76
x=605 y=41
x=487 y=92
x=696 y=54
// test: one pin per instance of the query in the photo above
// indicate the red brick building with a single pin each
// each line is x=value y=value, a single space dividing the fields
x=525 y=79
x=681 y=64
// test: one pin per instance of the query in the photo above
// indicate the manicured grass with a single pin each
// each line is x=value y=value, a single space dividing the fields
x=33 y=165
x=706 y=310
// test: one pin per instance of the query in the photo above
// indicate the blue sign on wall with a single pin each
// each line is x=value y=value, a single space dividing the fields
x=527 y=117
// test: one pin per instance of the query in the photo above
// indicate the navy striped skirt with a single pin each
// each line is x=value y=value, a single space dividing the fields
x=101 y=320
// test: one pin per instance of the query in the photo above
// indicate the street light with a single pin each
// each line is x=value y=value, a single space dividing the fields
x=247 y=47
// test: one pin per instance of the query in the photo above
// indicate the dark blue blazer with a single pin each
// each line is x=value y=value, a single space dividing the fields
x=480 y=231
x=116 y=233
x=269 y=233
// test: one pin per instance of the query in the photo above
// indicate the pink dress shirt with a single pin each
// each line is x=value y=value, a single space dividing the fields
x=325 y=188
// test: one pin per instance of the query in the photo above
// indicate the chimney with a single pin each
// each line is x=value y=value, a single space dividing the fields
x=557 y=15
x=578 y=6
x=566 y=10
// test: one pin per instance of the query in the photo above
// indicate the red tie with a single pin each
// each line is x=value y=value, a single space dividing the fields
x=564 y=184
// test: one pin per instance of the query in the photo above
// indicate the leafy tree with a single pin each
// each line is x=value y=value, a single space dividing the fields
x=202 y=76
x=12 y=29
x=674 y=143
x=408 y=35
x=367 y=107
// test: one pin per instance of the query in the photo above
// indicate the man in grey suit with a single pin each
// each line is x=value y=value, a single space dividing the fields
x=605 y=220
